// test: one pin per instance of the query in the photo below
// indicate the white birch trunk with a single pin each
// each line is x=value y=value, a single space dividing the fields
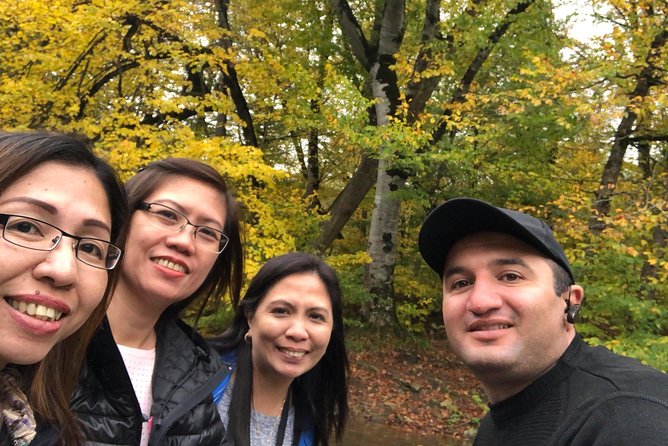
x=382 y=246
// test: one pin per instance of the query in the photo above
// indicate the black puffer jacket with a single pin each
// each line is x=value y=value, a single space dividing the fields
x=186 y=372
x=5 y=439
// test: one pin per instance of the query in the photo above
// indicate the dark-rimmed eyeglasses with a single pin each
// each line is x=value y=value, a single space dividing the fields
x=172 y=220
x=32 y=233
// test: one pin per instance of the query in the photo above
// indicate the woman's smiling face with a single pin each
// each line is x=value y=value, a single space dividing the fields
x=47 y=295
x=162 y=267
x=291 y=328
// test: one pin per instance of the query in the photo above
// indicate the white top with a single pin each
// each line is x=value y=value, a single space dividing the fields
x=139 y=364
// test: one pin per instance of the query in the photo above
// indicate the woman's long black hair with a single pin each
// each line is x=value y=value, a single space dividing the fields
x=319 y=396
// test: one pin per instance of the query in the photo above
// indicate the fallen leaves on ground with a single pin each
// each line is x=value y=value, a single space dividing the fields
x=419 y=387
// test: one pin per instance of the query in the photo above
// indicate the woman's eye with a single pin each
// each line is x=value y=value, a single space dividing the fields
x=91 y=249
x=25 y=228
x=209 y=233
x=318 y=317
x=280 y=311
x=167 y=215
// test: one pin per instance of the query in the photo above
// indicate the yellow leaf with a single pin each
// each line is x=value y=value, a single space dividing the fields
x=632 y=251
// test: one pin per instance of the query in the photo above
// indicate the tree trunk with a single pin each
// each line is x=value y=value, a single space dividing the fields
x=659 y=232
x=383 y=242
x=313 y=170
x=613 y=166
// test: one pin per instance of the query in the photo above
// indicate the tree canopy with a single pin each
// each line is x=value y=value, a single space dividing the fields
x=342 y=123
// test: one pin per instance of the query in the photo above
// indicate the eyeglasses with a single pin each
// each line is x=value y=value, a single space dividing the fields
x=31 y=233
x=167 y=218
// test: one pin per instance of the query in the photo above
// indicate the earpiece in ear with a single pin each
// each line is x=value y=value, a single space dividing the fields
x=571 y=313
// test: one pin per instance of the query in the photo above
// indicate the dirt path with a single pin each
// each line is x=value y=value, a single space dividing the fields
x=419 y=387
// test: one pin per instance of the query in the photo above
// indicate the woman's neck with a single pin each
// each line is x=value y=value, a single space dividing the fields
x=269 y=396
x=131 y=324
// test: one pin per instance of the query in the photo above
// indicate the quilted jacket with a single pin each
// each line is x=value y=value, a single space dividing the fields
x=183 y=412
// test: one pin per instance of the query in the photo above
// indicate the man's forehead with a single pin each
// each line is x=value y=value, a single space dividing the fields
x=481 y=242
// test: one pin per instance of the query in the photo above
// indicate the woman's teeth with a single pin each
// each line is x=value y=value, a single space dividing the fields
x=293 y=353
x=36 y=310
x=171 y=265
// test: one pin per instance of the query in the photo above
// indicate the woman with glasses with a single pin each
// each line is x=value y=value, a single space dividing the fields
x=288 y=380
x=62 y=216
x=149 y=376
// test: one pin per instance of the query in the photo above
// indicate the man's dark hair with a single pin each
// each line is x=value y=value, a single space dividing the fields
x=561 y=278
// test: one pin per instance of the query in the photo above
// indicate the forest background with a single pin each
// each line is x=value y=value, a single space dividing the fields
x=341 y=123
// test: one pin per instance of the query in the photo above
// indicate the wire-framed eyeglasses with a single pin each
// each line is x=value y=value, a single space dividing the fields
x=172 y=220
x=32 y=233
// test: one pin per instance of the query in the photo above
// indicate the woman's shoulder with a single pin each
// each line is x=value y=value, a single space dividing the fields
x=229 y=357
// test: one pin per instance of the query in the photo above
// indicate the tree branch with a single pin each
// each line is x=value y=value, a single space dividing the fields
x=647 y=138
x=353 y=33
x=469 y=76
x=99 y=37
x=231 y=80
x=419 y=91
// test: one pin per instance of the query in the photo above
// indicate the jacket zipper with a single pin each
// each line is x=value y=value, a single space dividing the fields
x=162 y=425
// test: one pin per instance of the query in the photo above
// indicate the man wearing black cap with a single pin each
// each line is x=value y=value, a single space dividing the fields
x=509 y=303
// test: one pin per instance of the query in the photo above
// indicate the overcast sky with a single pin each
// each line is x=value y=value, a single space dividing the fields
x=583 y=25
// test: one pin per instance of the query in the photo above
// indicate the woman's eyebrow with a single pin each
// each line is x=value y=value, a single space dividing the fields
x=93 y=222
x=34 y=202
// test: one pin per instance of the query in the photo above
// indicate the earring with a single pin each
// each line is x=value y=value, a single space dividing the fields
x=571 y=313
x=248 y=338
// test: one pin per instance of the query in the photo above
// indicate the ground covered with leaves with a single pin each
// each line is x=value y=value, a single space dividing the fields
x=418 y=386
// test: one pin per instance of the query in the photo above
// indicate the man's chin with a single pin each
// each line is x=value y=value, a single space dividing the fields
x=485 y=360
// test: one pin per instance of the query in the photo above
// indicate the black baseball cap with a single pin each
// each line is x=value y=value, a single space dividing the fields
x=459 y=217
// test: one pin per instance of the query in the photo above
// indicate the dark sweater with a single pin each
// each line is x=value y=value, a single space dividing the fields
x=590 y=397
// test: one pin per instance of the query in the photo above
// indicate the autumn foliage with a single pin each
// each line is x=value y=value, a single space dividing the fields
x=302 y=104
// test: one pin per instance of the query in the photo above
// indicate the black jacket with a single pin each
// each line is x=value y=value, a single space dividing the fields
x=4 y=435
x=186 y=372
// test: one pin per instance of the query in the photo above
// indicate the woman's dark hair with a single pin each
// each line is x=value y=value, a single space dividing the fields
x=227 y=272
x=320 y=396
x=53 y=379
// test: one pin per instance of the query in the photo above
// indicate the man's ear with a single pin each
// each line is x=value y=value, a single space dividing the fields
x=573 y=302
x=576 y=295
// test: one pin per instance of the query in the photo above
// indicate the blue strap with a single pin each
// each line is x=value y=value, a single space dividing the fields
x=229 y=358
x=220 y=390
x=306 y=438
